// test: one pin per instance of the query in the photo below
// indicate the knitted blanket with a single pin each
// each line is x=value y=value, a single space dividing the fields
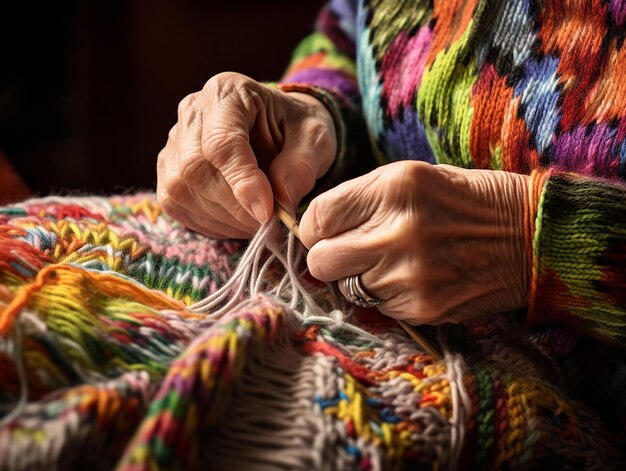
x=110 y=359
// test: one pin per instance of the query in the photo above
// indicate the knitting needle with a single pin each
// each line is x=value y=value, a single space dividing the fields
x=420 y=339
x=289 y=221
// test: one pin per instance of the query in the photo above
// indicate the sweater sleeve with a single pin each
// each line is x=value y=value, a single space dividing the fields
x=579 y=254
x=324 y=65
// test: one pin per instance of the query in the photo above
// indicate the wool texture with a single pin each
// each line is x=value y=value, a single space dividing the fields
x=514 y=85
x=128 y=342
x=114 y=355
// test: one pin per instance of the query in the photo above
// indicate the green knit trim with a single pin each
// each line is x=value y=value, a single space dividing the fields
x=578 y=251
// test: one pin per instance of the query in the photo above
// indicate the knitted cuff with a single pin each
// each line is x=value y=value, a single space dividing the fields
x=579 y=247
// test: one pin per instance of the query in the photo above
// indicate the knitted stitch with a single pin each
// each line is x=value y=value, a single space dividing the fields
x=577 y=249
x=106 y=365
x=514 y=85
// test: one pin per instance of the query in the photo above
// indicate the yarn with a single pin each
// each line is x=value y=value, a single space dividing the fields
x=128 y=342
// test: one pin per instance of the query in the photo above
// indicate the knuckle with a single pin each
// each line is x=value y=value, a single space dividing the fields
x=305 y=172
x=315 y=131
x=216 y=140
x=224 y=84
x=166 y=203
x=172 y=135
x=320 y=208
x=171 y=187
x=216 y=84
x=241 y=180
x=218 y=144
x=319 y=139
x=193 y=173
x=414 y=174
x=186 y=103
x=180 y=194
x=188 y=163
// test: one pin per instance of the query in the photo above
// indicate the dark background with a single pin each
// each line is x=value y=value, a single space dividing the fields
x=89 y=89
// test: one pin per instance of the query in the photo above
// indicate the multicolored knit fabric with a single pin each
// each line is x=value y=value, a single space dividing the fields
x=514 y=85
x=104 y=365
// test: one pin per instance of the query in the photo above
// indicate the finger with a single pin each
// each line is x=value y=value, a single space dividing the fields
x=212 y=228
x=202 y=190
x=207 y=213
x=307 y=153
x=211 y=191
x=347 y=254
x=173 y=192
x=199 y=174
x=177 y=188
x=166 y=156
x=388 y=283
x=225 y=143
x=338 y=210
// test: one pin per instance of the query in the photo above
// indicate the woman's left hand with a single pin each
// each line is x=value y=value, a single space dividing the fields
x=436 y=243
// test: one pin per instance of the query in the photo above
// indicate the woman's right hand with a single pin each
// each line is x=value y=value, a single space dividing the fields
x=237 y=145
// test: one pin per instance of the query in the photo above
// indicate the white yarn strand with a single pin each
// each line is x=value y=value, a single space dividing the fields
x=460 y=406
x=237 y=281
x=251 y=273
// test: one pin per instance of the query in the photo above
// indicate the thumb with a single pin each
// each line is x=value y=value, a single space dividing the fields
x=226 y=121
x=249 y=184
x=238 y=166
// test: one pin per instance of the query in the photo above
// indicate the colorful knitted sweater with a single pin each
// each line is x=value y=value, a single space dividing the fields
x=108 y=361
x=111 y=355
x=516 y=85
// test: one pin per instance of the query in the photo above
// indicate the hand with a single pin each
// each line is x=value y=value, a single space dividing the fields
x=437 y=243
x=237 y=145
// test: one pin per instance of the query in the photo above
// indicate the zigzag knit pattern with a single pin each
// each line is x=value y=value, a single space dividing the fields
x=105 y=365
x=511 y=85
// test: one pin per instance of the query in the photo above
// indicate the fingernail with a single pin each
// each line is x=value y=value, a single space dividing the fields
x=259 y=212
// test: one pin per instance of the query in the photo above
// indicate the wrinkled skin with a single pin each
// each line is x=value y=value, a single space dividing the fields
x=237 y=145
x=437 y=243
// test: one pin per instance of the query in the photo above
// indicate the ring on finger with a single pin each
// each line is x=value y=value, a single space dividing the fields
x=356 y=294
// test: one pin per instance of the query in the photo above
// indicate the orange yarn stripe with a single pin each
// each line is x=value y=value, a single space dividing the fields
x=536 y=185
x=108 y=284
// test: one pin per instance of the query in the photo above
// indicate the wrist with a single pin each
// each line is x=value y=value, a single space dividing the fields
x=507 y=194
x=515 y=194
